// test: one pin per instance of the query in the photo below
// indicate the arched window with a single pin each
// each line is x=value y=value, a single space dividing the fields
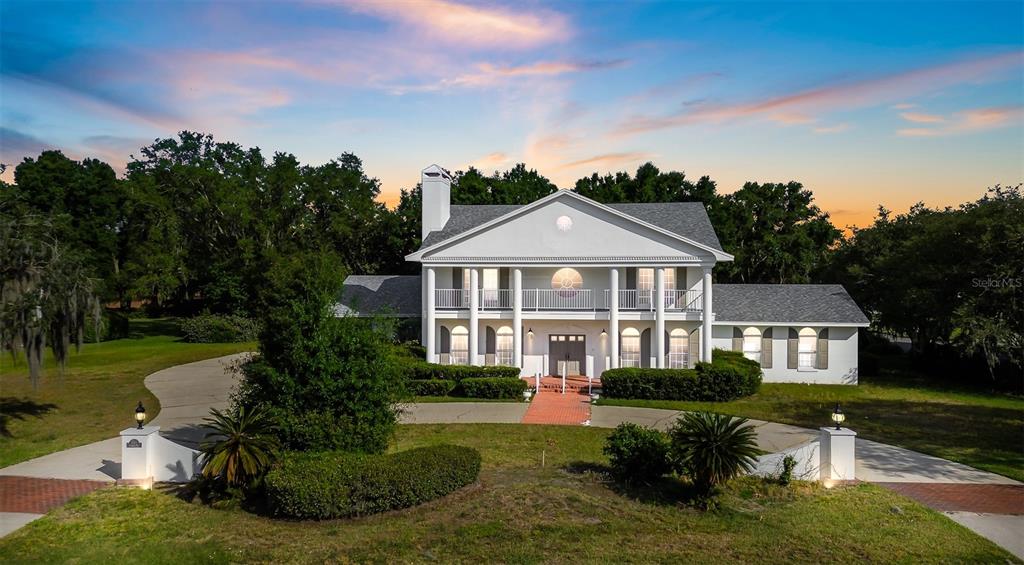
x=460 y=346
x=629 y=355
x=567 y=282
x=807 y=349
x=752 y=344
x=503 y=348
x=678 y=349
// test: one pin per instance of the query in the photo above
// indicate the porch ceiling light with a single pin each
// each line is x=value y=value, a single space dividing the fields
x=604 y=333
x=837 y=416
x=530 y=332
x=140 y=414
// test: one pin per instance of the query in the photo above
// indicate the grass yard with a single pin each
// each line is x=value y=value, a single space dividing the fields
x=977 y=429
x=519 y=512
x=97 y=395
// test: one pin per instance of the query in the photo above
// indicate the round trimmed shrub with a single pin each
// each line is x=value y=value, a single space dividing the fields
x=328 y=485
x=637 y=453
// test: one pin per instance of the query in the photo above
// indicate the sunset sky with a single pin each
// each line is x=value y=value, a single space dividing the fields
x=866 y=103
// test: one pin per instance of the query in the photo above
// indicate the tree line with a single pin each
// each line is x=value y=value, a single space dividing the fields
x=195 y=224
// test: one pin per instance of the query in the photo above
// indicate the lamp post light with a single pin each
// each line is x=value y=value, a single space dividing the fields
x=837 y=416
x=140 y=414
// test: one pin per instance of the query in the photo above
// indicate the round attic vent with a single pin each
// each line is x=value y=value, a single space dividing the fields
x=564 y=223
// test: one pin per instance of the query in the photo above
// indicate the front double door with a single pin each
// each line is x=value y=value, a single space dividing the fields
x=568 y=353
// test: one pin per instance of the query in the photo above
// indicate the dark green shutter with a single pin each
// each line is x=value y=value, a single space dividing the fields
x=630 y=278
x=457 y=278
x=645 y=348
x=445 y=341
x=792 y=348
x=823 y=349
x=737 y=339
x=766 y=349
x=503 y=278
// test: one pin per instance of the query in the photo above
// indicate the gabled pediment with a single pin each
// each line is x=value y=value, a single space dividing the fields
x=566 y=225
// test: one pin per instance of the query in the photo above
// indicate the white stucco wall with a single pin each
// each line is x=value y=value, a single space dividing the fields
x=842 y=355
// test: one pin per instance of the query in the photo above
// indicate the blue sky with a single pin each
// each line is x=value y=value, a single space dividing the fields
x=867 y=103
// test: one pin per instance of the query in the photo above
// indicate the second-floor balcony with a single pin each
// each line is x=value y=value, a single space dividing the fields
x=546 y=299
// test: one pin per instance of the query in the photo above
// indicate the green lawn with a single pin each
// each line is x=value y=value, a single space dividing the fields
x=977 y=429
x=520 y=512
x=97 y=395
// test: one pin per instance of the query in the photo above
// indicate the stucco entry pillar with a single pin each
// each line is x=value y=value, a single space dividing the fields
x=613 y=317
x=838 y=454
x=429 y=335
x=517 y=317
x=474 y=315
x=659 y=317
x=705 y=330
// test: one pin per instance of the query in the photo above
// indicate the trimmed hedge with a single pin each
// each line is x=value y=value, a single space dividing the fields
x=493 y=387
x=434 y=371
x=729 y=376
x=430 y=387
x=328 y=485
x=217 y=328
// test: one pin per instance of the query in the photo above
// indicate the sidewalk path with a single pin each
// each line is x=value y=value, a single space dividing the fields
x=555 y=407
x=186 y=392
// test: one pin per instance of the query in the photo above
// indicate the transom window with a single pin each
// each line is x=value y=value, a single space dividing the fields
x=807 y=349
x=503 y=346
x=678 y=349
x=460 y=345
x=630 y=354
x=752 y=344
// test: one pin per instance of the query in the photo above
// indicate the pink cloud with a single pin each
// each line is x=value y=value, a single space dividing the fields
x=976 y=119
x=469 y=25
x=489 y=74
x=832 y=129
x=492 y=161
x=920 y=118
x=847 y=95
x=608 y=159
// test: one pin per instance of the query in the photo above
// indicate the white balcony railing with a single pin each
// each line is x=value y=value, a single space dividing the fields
x=449 y=298
x=675 y=300
x=568 y=299
x=685 y=300
x=560 y=299
x=495 y=299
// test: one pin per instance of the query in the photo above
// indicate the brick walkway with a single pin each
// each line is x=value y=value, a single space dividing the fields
x=551 y=407
x=39 y=496
x=959 y=497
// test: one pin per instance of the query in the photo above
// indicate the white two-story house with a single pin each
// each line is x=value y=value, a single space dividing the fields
x=569 y=285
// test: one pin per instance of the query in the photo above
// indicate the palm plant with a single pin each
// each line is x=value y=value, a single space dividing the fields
x=712 y=448
x=239 y=447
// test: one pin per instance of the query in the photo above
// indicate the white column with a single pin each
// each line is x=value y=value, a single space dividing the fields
x=705 y=330
x=474 y=315
x=517 y=317
x=429 y=341
x=659 y=317
x=613 y=316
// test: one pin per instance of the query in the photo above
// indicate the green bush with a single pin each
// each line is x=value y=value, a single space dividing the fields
x=492 y=387
x=331 y=382
x=430 y=387
x=712 y=448
x=338 y=485
x=217 y=328
x=418 y=370
x=729 y=376
x=637 y=453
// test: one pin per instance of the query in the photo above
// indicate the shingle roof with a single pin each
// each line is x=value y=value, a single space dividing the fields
x=785 y=303
x=395 y=295
x=686 y=219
